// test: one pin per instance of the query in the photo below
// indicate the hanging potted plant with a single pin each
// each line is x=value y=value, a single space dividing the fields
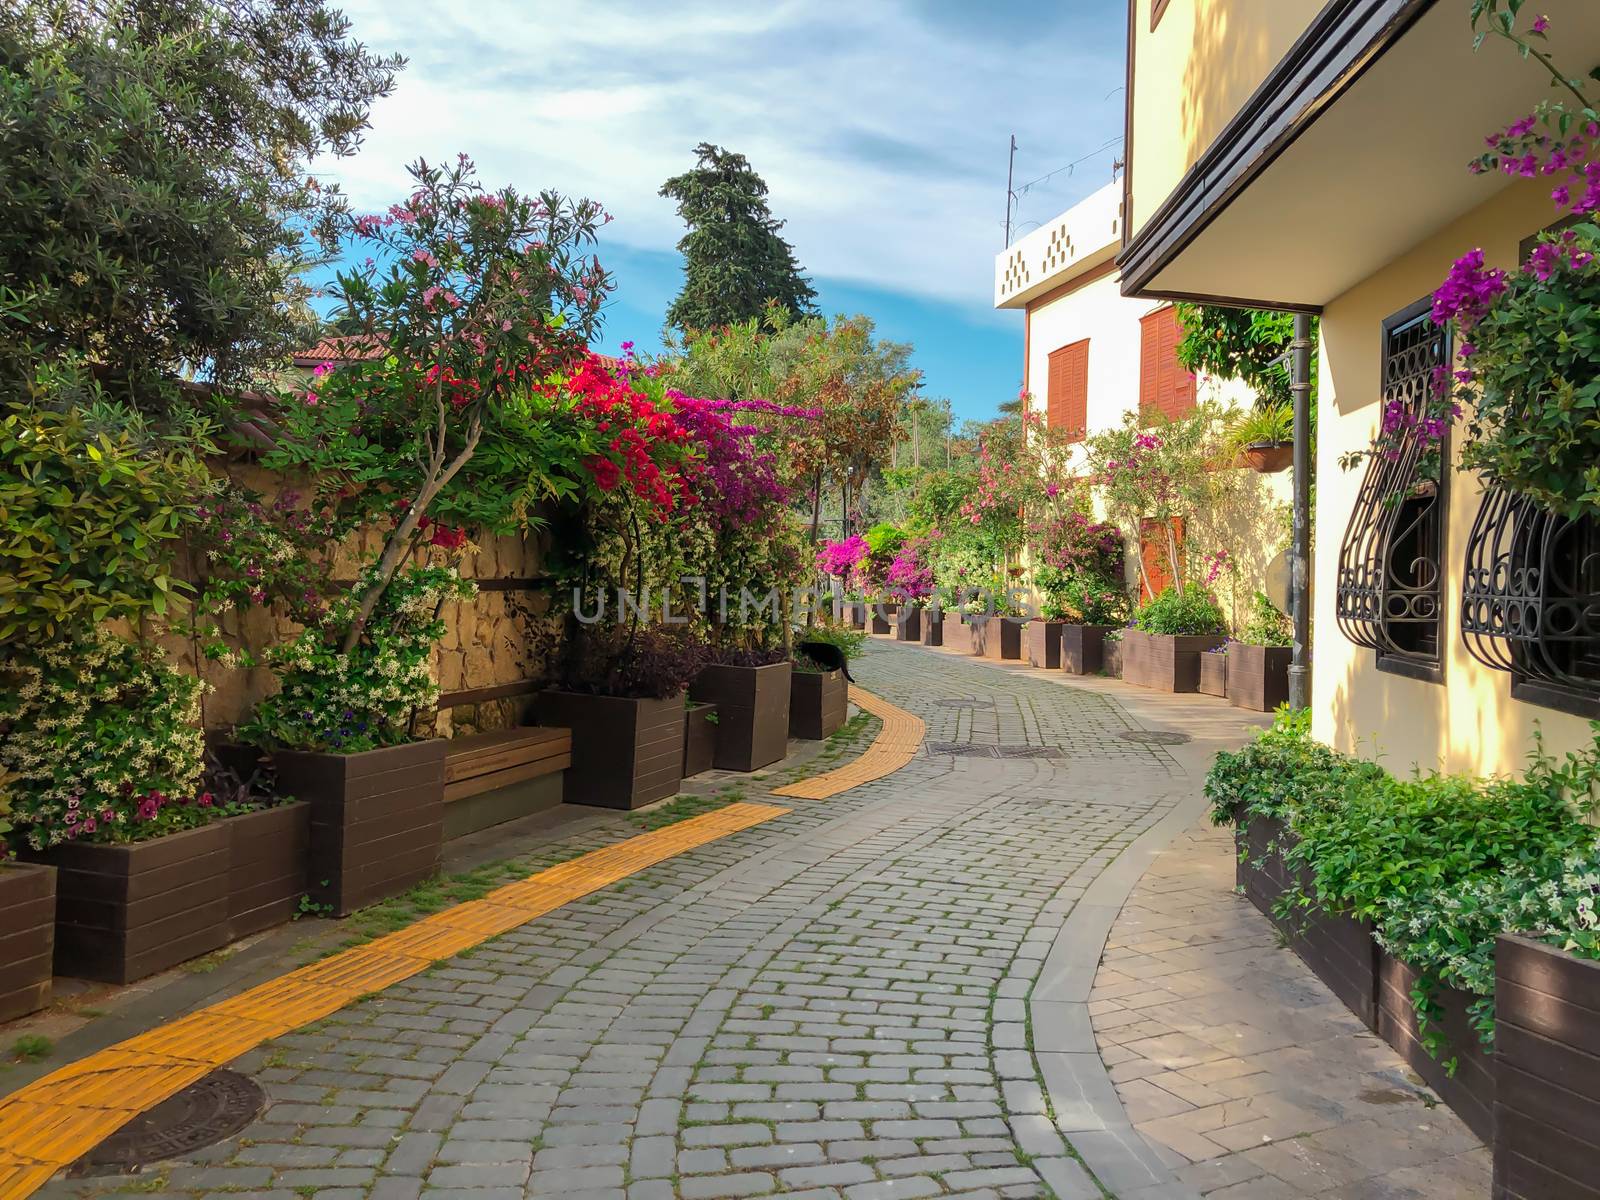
x=1263 y=438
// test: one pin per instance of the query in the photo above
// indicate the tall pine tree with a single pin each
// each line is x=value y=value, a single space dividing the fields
x=734 y=262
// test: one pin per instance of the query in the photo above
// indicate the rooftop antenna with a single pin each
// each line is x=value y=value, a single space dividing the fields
x=1011 y=195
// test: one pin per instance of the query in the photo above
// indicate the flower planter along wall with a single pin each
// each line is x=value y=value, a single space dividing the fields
x=267 y=855
x=998 y=637
x=626 y=752
x=1165 y=662
x=1083 y=648
x=1340 y=949
x=957 y=634
x=699 y=739
x=855 y=614
x=377 y=819
x=933 y=627
x=27 y=937
x=752 y=713
x=881 y=617
x=1110 y=656
x=818 y=702
x=1214 y=674
x=1547 y=1062
x=1044 y=644
x=908 y=624
x=124 y=912
x=1470 y=1091
x=1258 y=676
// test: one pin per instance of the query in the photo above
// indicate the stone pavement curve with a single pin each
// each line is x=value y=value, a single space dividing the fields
x=879 y=995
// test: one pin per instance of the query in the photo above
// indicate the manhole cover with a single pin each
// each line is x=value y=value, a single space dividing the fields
x=205 y=1112
x=962 y=749
x=964 y=702
x=1028 y=751
x=1154 y=737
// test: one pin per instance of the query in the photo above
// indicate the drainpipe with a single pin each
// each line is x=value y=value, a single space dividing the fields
x=1300 y=549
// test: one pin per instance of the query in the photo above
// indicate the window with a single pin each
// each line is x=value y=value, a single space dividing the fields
x=1165 y=388
x=1067 y=390
x=1389 y=591
x=1530 y=601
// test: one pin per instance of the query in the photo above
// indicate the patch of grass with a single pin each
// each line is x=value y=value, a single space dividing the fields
x=156 y=1185
x=30 y=1047
x=681 y=808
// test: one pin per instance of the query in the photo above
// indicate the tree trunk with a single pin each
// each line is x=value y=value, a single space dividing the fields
x=437 y=475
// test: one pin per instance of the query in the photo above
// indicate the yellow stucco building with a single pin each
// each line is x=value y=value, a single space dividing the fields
x=1311 y=155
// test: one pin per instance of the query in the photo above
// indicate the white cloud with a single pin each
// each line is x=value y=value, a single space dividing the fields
x=879 y=127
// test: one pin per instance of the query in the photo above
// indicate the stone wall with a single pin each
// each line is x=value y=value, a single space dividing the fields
x=500 y=637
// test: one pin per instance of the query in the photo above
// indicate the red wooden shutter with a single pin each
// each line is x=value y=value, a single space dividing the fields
x=1067 y=404
x=1164 y=386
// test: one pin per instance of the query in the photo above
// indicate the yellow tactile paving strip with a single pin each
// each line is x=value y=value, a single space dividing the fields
x=55 y=1120
x=895 y=746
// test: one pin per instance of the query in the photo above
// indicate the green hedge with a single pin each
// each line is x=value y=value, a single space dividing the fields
x=1439 y=864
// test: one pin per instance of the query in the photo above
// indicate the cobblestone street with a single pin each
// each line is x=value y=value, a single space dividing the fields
x=880 y=995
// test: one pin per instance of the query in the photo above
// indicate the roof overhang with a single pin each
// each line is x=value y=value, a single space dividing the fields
x=1352 y=151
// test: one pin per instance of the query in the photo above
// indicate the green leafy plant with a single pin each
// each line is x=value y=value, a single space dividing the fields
x=1240 y=343
x=1085 y=598
x=1271 y=425
x=30 y=1047
x=849 y=641
x=89 y=524
x=158 y=195
x=1439 y=864
x=1268 y=625
x=1189 y=610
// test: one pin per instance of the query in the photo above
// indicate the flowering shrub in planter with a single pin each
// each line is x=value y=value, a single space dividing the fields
x=103 y=743
x=621 y=693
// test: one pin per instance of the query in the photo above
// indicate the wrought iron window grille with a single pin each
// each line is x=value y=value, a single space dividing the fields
x=1530 y=600
x=1389 y=589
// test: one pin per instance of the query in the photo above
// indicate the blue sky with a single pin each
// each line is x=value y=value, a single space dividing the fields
x=880 y=127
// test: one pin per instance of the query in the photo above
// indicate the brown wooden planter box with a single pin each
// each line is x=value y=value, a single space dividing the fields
x=1258 y=676
x=267 y=856
x=1340 y=949
x=1214 y=668
x=1165 y=662
x=626 y=752
x=1043 y=639
x=125 y=912
x=1547 y=1056
x=1470 y=1092
x=933 y=623
x=818 y=703
x=1083 y=648
x=908 y=624
x=855 y=614
x=752 y=713
x=377 y=819
x=957 y=633
x=27 y=937
x=998 y=637
x=699 y=739
x=881 y=617
x=1110 y=656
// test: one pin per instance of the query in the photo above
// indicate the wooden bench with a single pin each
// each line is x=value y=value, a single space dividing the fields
x=494 y=777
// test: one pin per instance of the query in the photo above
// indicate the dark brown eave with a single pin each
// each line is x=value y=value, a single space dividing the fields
x=1339 y=45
